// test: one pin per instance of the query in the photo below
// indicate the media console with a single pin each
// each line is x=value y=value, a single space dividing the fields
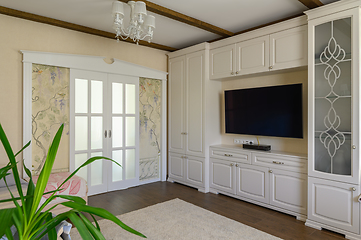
x=272 y=179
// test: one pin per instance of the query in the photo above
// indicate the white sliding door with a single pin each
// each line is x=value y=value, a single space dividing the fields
x=124 y=136
x=103 y=122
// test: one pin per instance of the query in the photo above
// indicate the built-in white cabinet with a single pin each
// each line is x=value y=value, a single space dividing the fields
x=252 y=182
x=288 y=48
x=271 y=183
x=280 y=50
x=334 y=118
x=194 y=123
x=288 y=190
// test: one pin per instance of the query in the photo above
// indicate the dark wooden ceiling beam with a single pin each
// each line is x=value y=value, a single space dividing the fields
x=75 y=27
x=311 y=3
x=166 y=12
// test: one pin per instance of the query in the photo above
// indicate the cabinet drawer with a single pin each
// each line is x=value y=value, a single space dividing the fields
x=231 y=156
x=290 y=163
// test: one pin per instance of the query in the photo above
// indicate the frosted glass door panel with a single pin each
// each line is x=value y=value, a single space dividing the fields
x=117 y=172
x=89 y=126
x=96 y=96
x=130 y=164
x=96 y=132
x=81 y=96
x=117 y=135
x=130 y=132
x=130 y=98
x=124 y=101
x=79 y=160
x=81 y=133
x=117 y=98
x=333 y=103
x=96 y=172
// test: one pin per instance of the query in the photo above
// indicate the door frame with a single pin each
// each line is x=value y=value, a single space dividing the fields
x=89 y=63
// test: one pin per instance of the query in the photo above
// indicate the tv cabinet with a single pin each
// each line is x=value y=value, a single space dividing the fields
x=276 y=180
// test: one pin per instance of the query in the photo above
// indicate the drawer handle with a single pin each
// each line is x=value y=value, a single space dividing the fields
x=237 y=165
x=353 y=189
x=231 y=164
x=228 y=155
x=270 y=171
x=275 y=162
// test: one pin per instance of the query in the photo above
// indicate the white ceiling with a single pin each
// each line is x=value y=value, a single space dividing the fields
x=232 y=15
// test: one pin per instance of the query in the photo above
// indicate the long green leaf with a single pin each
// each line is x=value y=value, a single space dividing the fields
x=101 y=213
x=9 y=234
x=71 y=198
x=12 y=160
x=80 y=226
x=45 y=172
x=95 y=221
x=4 y=171
x=6 y=219
x=93 y=230
x=52 y=232
x=30 y=190
x=43 y=228
x=26 y=145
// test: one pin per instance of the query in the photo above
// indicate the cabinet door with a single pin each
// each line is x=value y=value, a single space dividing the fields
x=176 y=104
x=288 y=48
x=334 y=97
x=195 y=170
x=176 y=166
x=222 y=176
x=288 y=190
x=194 y=113
x=253 y=182
x=222 y=62
x=334 y=204
x=252 y=56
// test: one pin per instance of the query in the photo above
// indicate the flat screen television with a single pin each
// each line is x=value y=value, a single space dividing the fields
x=265 y=111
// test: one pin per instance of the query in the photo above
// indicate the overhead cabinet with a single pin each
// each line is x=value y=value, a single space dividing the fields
x=280 y=50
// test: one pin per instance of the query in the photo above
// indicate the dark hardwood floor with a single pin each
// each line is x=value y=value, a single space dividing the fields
x=264 y=219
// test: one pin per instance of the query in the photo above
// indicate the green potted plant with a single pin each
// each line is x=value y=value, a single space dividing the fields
x=28 y=217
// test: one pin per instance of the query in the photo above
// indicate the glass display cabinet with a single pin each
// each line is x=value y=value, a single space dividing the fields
x=333 y=126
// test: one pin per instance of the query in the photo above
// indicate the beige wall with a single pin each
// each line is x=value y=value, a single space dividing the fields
x=280 y=144
x=17 y=34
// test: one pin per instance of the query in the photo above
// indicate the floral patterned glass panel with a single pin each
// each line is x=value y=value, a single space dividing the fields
x=333 y=97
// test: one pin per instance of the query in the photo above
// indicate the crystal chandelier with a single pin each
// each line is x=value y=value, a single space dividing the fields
x=141 y=25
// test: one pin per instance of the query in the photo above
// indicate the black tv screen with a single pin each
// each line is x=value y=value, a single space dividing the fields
x=265 y=111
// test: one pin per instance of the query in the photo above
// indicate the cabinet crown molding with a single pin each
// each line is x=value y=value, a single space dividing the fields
x=332 y=8
x=192 y=49
x=277 y=27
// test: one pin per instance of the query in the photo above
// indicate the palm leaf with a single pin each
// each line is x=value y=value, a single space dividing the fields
x=6 y=219
x=101 y=213
x=93 y=230
x=45 y=172
x=79 y=224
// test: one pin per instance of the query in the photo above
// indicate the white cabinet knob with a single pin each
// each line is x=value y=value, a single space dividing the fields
x=270 y=171
x=232 y=73
x=353 y=189
x=232 y=164
x=270 y=67
x=353 y=146
x=237 y=165
x=237 y=72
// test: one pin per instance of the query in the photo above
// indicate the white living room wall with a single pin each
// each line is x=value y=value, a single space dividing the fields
x=18 y=34
x=271 y=79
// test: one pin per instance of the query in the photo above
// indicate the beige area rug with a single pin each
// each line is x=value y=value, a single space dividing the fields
x=177 y=219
